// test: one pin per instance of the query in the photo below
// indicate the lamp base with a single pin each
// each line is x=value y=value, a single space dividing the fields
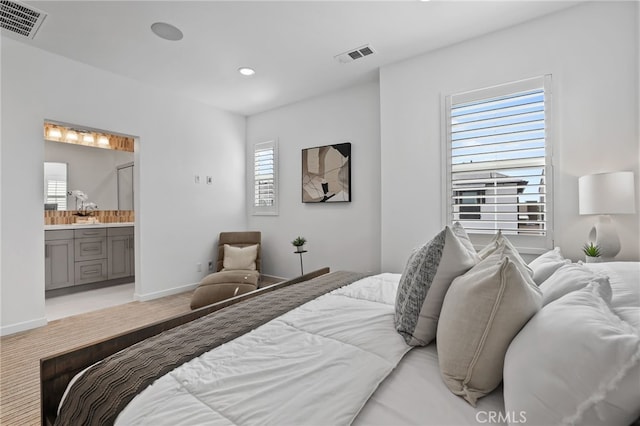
x=604 y=235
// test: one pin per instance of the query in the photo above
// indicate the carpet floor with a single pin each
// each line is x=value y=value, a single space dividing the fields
x=20 y=353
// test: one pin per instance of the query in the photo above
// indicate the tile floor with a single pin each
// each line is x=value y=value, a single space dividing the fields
x=87 y=301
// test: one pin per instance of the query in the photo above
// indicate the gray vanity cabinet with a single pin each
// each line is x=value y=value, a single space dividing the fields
x=59 y=262
x=120 y=252
x=88 y=255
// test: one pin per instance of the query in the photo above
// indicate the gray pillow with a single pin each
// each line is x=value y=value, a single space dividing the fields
x=424 y=283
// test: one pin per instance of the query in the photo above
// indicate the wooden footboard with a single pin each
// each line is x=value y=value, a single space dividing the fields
x=57 y=371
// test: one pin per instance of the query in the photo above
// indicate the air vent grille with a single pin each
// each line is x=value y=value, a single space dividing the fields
x=354 y=54
x=20 y=19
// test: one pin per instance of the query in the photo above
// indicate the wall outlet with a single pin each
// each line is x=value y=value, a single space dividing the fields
x=211 y=265
x=199 y=267
x=209 y=180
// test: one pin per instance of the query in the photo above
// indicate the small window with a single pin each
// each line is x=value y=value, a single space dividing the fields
x=468 y=204
x=265 y=178
x=498 y=165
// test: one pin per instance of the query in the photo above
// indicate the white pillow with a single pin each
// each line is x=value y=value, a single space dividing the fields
x=462 y=235
x=482 y=312
x=575 y=362
x=509 y=249
x=546 y=264
x=568 y=278
x=240 y=257
x=424 y=283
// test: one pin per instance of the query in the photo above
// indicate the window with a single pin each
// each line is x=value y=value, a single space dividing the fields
x=469 y=202
x=57 y=194
x=265 y=178
x=498 y=165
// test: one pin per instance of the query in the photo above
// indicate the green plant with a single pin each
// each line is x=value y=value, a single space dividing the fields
x=591 y=250
x=299 y=241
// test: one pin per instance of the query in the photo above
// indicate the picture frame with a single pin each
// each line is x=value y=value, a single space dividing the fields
x=326 y=174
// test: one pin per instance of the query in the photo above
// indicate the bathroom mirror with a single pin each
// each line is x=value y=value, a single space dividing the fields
x=92 y=170
x=55 y=186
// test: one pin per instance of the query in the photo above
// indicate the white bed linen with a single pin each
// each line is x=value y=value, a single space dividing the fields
x=414 y=394
x=317 y=364
x=624 y=278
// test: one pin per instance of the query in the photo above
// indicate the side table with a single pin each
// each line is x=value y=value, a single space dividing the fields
x=301 y=252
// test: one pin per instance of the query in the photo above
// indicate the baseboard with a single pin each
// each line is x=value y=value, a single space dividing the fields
x=22 y=326
x=169 y=292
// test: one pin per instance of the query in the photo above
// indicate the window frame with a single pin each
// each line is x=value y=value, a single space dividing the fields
x=258 y=210
x=528 y=244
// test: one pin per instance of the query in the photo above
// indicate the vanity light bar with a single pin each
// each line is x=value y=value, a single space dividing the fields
x=85 y=137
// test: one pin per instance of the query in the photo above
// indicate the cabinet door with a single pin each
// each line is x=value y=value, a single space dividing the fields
x=119 y=259
x=59 y=265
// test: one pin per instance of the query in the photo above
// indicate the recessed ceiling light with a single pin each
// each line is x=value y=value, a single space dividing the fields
x=166 y=31
x=246 y=71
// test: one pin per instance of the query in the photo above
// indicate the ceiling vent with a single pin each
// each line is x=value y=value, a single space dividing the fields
x=20 y=19
x=354 y=54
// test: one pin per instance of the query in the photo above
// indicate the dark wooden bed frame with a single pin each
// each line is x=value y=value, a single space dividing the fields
x=56 y=371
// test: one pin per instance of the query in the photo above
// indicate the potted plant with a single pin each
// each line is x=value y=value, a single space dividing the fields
x=592 y=252
x=299 y=243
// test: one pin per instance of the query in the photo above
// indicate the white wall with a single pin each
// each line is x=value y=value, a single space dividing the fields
x=340 y=235
x=91 y=170
x=177 y=221
x=592 y=52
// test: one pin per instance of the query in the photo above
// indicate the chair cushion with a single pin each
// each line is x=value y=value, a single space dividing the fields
x=240 y=257
x=235 y=277
x=208 y=294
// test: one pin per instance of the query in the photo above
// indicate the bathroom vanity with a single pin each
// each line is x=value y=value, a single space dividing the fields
x=76 y=255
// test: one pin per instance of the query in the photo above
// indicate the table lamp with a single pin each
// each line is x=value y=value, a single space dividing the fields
x=605 y=194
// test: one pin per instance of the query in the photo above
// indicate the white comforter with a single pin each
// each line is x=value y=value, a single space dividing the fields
x=343 y=342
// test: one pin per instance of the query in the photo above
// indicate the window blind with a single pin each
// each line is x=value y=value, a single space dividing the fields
x=264 y=177
x=498 y=159
x=57 y=193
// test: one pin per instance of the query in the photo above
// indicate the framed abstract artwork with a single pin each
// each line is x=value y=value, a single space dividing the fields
x=326 y=174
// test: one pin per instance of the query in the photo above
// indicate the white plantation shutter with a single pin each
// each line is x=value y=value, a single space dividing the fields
x=265 y=178
x=499 y=162
x=57 y=193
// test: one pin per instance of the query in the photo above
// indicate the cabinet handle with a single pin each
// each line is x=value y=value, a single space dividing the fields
x=92 y=272
x=90 y=232
x=91 y=249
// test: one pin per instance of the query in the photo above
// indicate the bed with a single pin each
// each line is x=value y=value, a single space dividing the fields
x=332 y=354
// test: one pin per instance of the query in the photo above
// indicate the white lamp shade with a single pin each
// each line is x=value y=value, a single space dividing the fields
x=607 y=193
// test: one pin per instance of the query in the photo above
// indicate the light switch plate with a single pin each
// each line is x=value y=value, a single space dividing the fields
x=197 y=179
x=209 y=180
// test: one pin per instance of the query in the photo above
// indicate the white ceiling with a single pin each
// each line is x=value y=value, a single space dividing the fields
x=290 y=44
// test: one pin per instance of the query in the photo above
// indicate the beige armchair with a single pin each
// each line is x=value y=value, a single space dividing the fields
x=238 y=267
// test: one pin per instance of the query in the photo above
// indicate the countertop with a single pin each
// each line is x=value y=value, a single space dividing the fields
x=88 y=225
